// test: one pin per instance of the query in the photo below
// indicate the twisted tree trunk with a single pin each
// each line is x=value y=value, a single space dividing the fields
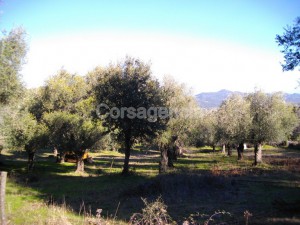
x=80 y=165
x=80 y=161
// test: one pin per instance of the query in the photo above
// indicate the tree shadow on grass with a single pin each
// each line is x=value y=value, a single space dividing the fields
x=184 y=193
x=204 y=151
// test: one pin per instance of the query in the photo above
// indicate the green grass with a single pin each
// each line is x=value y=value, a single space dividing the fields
x=202 y=181
x=24 y=206
x=268 y=147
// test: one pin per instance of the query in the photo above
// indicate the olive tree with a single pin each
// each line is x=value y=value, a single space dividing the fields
x=184 y=111
x=129 y=99
x=24 y=132
x=13 y=48
x=234 y=121
x=65 y=105
x=272 y=120
x=71 y=132
x=205 y=131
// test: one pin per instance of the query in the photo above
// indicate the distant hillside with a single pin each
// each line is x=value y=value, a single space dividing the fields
x=211 y=100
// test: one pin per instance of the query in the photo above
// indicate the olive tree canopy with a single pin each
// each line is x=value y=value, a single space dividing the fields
x=13 y=48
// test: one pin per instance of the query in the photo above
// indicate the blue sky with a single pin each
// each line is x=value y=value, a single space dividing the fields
x=208 y=45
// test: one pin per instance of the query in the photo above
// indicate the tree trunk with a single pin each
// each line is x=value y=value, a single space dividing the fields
x=126 y=160
x=240 y=154
x=229 y=149
x=2 y=197
x=80 y=165
x=163 y=165
x=240 y=150
x=178 y=152
x=224 y=149
x=214 y=148
x=31 y=156
x=55 y=152
x=1 y=160
x=171 y=156
x=127 y=153
x=0 y=155
x=257 y=153
x=61 y=158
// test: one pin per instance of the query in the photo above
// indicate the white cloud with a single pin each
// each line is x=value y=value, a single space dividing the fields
x=204 y=65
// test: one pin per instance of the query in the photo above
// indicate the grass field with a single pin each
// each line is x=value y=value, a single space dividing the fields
x=201 y=183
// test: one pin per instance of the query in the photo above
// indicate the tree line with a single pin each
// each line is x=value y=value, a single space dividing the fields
x=255 y=118
x=64 y=113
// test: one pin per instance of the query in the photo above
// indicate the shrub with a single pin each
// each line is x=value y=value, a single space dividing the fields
x=153 y=213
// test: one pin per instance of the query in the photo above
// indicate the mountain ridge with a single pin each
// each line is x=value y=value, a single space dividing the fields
x=210 y=100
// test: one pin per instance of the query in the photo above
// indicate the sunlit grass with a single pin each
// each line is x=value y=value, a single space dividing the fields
x=107 y=153
x=268 y=147
x=24 y=206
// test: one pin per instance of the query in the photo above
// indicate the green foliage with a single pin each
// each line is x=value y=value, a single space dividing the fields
x=71 y=132
x=290 y=41
x=58 y=114
x=107 y=142
x=272 y=118
x=13 y=49
x=233 y=120
x=205 y=132
x=63 y=92
x=256 y=118
x=23 y=130
x=296 y=132
x=184 y=110
x=65 y=106
x=164 y=138
x=130 y=84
